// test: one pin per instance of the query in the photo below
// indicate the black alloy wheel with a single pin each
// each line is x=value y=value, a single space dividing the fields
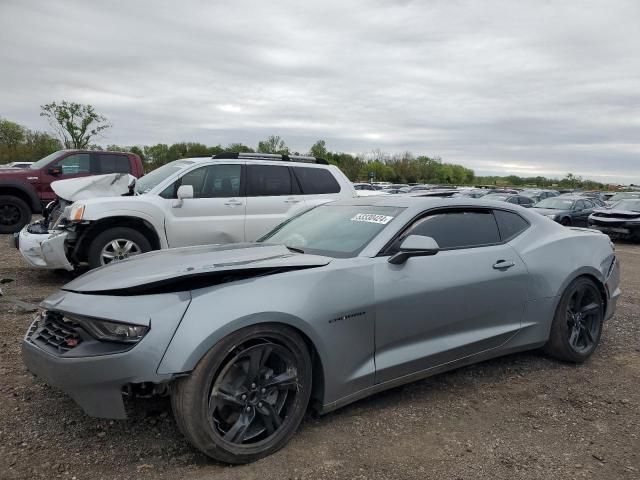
x=253 y=393
x=246 y=397
x=577 y=325
x=584 y=318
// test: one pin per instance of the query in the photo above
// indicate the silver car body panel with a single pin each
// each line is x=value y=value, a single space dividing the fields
x=372 y=324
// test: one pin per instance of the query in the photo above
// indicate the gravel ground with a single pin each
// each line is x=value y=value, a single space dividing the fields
x=522 y=416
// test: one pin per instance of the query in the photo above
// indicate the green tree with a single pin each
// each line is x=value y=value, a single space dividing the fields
x=75 y=123
x=238 y=148
x=318 y=149
x=11 y=133
x=273 y=144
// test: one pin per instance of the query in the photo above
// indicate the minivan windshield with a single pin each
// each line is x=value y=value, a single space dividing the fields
x=340 y=231
x=157 y=176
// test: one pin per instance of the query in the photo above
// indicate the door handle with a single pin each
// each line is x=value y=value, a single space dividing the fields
x=504 y=264
x=233 y=203
x=292 y=200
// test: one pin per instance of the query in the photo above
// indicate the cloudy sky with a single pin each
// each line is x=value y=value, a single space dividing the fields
x=527 y=87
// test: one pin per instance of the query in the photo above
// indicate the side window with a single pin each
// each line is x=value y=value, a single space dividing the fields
x=316 y=181
x=510 y=224
x=75 y=164
x=112 y=164
x=213 y=181
x=589 y=204
x=268 y=180
x=525 y=201
x=579 y=205
x=456 y=229
x=513 y=200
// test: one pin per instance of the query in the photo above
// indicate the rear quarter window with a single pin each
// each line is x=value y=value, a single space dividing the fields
x=113 y=164
x=315 y=181
x=510 y=224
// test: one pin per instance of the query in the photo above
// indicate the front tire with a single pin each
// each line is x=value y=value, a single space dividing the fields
x=565 y=222
x=247 y=395
x=14 y=214
x=577 y=325
x=116 y=244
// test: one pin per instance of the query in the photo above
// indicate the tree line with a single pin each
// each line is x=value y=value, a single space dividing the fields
x=78 y=126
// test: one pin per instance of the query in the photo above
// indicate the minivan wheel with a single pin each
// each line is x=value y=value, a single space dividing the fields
x=116 y=244
x=14 y=214
x=577 y=325
x=247 y=395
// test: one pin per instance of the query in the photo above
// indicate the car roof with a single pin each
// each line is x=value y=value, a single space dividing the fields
x=424 y=203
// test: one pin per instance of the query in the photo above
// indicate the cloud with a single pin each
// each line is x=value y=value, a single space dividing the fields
x=546 y=87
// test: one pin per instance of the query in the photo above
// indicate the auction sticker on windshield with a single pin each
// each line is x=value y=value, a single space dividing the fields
x=372 y=218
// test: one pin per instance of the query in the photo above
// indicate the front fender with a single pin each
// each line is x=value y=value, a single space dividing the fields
x=332 y=306
x=152 y=214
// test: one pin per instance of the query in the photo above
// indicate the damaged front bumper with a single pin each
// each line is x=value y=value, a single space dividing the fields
x=44 y=250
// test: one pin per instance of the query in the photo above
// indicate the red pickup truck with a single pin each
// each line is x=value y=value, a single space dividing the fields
x=25 y=191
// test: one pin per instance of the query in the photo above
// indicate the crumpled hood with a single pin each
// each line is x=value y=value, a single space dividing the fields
x=83 y=188
x=181 y=269
x=548 y=211
x=610 y=212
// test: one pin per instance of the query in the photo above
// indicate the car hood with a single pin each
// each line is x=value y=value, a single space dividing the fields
x=188 y=268
x=10 y=172
x=83 y=188
x=549 y=211
x=609 y=212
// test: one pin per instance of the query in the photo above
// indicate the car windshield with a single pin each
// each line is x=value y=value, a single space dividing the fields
x=555 y=203
x=43 y=162
x=496 y=196
x=154 y=178
x=623 y=195
x=629 y=204
x=333 y=230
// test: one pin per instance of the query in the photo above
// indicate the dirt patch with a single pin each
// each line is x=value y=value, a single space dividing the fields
x=522 y=416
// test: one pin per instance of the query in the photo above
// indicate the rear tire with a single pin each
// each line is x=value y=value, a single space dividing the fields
x=114 y=243
x=577 y=324
x=14 y=214
x=565 y=222
x=235 y=415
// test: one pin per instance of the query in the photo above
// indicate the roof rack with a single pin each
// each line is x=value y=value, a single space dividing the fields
x=270 y=157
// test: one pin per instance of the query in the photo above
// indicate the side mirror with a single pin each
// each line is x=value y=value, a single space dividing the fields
x=184 y=192
x=415 y=246
x=55 y=170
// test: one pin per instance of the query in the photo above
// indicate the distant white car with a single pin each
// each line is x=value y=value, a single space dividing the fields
x=225 y=199
x=17 y=165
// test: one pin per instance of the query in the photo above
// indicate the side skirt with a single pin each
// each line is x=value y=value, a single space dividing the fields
x=463 y=362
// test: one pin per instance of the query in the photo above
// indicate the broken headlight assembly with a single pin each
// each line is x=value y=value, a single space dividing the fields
x=109 y=331
x=74 y=213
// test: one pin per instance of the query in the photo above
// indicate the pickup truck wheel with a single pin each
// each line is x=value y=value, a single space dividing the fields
x=116 y=244
x=14 y=214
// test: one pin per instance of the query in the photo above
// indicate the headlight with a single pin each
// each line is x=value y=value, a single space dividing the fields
x=113 y=331
x=75 y=212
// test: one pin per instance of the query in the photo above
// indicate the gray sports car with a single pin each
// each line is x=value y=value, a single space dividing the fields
x=338 y=303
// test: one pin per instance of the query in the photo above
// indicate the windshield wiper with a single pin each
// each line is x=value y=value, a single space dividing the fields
x=295 y=249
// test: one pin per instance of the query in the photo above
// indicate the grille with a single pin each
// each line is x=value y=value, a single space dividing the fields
x=595 y=221
x=56 y=333
x=621 y=216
